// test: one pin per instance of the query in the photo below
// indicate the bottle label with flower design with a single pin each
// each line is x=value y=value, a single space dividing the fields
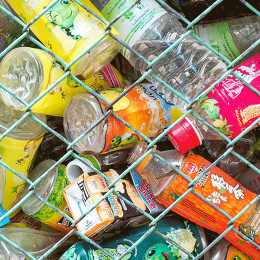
x=231 y=105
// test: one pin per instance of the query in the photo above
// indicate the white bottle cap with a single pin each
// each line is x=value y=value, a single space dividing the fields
x=76 y=168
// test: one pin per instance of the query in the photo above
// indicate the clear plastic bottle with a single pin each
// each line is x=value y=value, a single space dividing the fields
x=17 y=150
x=32 y=241
x=214 y=186
x=250 y=179
x=230 y=108
x=67 y=29
x=231 y=164
x=150 y=30
x=28 y=72
x=49 y=188
x=142 y=107
x=233 y=37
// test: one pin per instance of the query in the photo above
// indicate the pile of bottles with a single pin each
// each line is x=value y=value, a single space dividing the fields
x=151 y=161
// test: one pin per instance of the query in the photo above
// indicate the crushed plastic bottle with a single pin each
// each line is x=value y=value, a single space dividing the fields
x=142 y=107
x=215 y=186
x=230 y=107
x=28 y=72
x=230 y=164
x=233 y=37
x=150 y=30
x=50 y=189
x=34 y=242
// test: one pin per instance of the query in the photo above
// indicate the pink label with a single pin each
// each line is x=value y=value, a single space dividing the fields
x=231 y=105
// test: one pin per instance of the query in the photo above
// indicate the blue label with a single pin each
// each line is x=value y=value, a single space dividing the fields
x=2 y=212
x=146 y=193
x=151 y=91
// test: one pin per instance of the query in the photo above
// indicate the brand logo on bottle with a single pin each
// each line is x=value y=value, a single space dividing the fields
x=233 y=87
x=191 y=167
x=32 y=3
x=220 y=183
x=156 y=91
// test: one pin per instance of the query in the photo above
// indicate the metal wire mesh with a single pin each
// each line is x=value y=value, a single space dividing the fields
x=109 y=109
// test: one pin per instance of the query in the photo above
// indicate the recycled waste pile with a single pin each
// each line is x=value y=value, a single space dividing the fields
x=129 y=129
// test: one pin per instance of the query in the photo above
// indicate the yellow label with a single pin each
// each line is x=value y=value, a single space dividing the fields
x=250 y=112
x=55 y=101
x=235 y=254
x=18 y=154
x=67 y=29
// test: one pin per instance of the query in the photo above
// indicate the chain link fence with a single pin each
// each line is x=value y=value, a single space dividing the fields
x=109 y=112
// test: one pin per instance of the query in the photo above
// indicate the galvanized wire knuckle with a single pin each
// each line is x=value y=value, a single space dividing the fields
x=229 y=145
x=108 y=110
x=192 y=104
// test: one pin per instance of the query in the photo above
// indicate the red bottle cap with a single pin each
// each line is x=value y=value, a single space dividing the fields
x=185 y=136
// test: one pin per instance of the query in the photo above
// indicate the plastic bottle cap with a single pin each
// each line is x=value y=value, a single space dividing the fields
x=22 y=72
x=184 y=136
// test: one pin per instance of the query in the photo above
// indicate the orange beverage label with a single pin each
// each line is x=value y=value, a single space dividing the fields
x=143 y=108
x=224 y=192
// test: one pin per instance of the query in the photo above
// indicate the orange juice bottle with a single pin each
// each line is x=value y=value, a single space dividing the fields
x=215 y=186
x=142 y=107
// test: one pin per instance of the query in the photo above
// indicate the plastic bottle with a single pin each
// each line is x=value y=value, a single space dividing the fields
x=28 y=72
x=17 y=150
x=233 y=37
x=226 y=251
x=68 y=29
x=174 y=227
x=76 y=167
x=150 y=30
x=230 y=164
x=224 y=10
x=214 y=186
x=49 y=188
x=142 y=107
x=32 y=241
x=230 y=107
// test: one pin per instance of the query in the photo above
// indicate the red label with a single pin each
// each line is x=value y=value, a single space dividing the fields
x=231 y=106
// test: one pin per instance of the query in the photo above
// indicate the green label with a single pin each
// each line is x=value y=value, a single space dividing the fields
x=136 y=21
x=218 y=36
x=46 y=214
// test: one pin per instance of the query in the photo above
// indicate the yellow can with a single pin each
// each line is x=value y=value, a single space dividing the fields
x=68 y=30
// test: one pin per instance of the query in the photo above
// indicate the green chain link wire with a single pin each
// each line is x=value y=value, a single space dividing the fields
x=109 y=112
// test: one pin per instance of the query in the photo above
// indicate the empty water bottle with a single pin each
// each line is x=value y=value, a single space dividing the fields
x=150 y=30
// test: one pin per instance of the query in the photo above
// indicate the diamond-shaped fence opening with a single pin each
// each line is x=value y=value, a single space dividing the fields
x=154 y=58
